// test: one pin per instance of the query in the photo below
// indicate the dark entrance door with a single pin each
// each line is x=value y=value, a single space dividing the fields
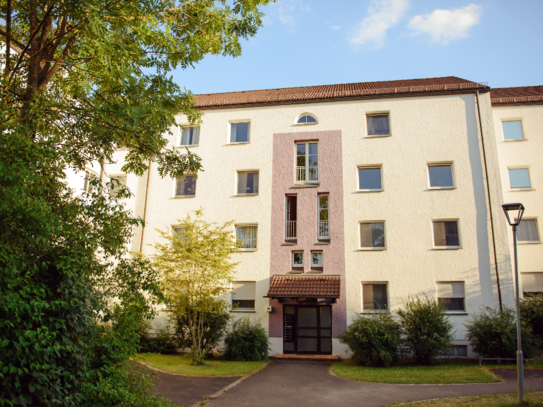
x=307 y=329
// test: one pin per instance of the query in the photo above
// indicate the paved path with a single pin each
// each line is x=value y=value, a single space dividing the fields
x=301 y=384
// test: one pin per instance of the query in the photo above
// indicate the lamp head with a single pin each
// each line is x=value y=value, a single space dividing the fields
x=516 y=210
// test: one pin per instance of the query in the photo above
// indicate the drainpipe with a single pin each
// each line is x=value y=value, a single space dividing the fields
x=145 y=206
x=489 y=202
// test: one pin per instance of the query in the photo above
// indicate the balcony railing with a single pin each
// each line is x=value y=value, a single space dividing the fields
x=290 y=229
x=307 y=175
x=324 y=229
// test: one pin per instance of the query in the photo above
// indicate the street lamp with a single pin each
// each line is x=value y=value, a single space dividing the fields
x=517 y=210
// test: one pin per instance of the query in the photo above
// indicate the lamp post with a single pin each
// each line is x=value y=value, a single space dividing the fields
x=517 y=210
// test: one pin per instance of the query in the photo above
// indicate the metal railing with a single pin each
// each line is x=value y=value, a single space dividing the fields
x=290 y=230
x=324 y=229
x=307 y=175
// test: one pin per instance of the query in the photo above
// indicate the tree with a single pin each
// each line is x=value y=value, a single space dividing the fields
x=90 y=76
x=196 y=271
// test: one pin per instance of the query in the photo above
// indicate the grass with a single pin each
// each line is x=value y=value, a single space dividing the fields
x=212 y=367
x=502 y=400
x=439 y=374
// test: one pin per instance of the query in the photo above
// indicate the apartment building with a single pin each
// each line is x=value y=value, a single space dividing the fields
x=348 y=199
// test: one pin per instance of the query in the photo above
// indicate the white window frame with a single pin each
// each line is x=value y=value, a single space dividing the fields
x=232 y=309
x=246 y=249
x=513 y=119
x=440 y=164
x=306 y=181
x=188 y=126
x=229 y=132
x=457 y=228
x=520 y=167
x=175 y=196
x=369 y=167
x=319 y=217
x=322 y=255
x=465 y=310
x=303 y=258
x=117 y=176
x=373 y=311
x=378 y=113
x=536 y=220
x=305 y=124
x=87 y=179
x=237 y=182
x=361 y=222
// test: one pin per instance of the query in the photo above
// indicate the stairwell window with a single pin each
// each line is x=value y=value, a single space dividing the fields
x=374 y=297
x=306 y=118
x=440 y=176
x=446 y=234
x=372 y=236
x=369 y=179
x=378 y=124
x=519 y=178
x=512 y=130
x=240 y=132
x=451 y=295
x=247 y=237
x=247 y=182
x=190 y=136
x=324 y=223
x=527 y=231
x=186 y=187
x=307 y=163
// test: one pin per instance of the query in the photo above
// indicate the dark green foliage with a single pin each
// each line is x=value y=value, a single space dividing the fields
x=246 y=341
x=426 y=329
x=214 y=329
x=494 y=334
x=373 y=340
x=531 y=313
x=161 y=342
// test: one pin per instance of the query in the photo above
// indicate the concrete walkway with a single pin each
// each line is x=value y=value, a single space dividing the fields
x=301 y=384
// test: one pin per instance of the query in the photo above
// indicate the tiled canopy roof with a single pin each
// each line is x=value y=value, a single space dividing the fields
x=510 y=96
x=304 y=287
x=341 y=91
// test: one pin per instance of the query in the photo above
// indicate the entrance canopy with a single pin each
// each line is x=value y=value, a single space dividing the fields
x=304 y=287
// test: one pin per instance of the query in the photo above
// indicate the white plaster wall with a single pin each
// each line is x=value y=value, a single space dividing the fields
x=529 y=153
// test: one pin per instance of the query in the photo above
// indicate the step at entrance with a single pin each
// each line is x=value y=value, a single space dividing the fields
x=294 y=356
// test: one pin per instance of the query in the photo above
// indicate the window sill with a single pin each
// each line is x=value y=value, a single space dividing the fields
x=325 y=242
x=250 y=311
x=183 y=197
x=247 y=250
x=305 y=124
x=510 y=140
x=521 y=189
x=296 y=272
x=244 y=195
x=378 y=135
x=306 y=185
x=531 y=242
x=362 y=191
x=234 y=143
x=188 y=145
x=440 y=188
x=371 y=249
x=289 y=244
x=446 y=247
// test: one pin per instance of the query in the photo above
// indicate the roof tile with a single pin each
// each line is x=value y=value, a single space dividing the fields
x=510 y=96
x=304 y=287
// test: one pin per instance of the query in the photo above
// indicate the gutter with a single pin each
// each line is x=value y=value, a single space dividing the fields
x=489 y=201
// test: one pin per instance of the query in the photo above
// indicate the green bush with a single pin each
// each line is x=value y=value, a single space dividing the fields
x=531 y=312
x=161 y=342
x=494 y=334
x=215 y=325
x=246 y=341
x=372 y=340
x=426 y=329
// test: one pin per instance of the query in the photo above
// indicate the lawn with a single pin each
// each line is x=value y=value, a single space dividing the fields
x=440 y=374
x=502 y=400
x=213 y=367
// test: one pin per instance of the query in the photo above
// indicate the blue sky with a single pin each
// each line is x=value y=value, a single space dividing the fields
x=319 y=42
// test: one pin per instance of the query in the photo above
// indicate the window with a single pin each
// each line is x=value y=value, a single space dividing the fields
x=190 y=136
x=458 y=351
x=527 y=231
x=372 y=235
x=532 y=283
x=247 y=183
x=451 y=294
x=519 y=178
x=369 y=179
x=179 y=234
x=306 y=119
x=297 y=259
x=374 y=297
x=316 y=259
x=378 y=125
x=440 y=176
x=117 y=182
x=324 y=224
x=446 y=234
x=243 y=295
x=290 y=216
x=246 y=236
x=239 y=132
x=89 y=177
x=307 y=163
x=512 y=130
x=186 y=187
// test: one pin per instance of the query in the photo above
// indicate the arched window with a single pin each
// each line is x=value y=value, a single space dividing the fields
x=307 y=119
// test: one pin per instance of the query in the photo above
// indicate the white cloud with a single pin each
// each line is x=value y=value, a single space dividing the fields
x=382 y=15
x=335 y=27
x=446 y=25
x=287 y=11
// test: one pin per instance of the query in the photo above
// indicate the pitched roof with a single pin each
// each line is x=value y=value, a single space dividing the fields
x=510 y=96
x=304 y=287
x=346 y=91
